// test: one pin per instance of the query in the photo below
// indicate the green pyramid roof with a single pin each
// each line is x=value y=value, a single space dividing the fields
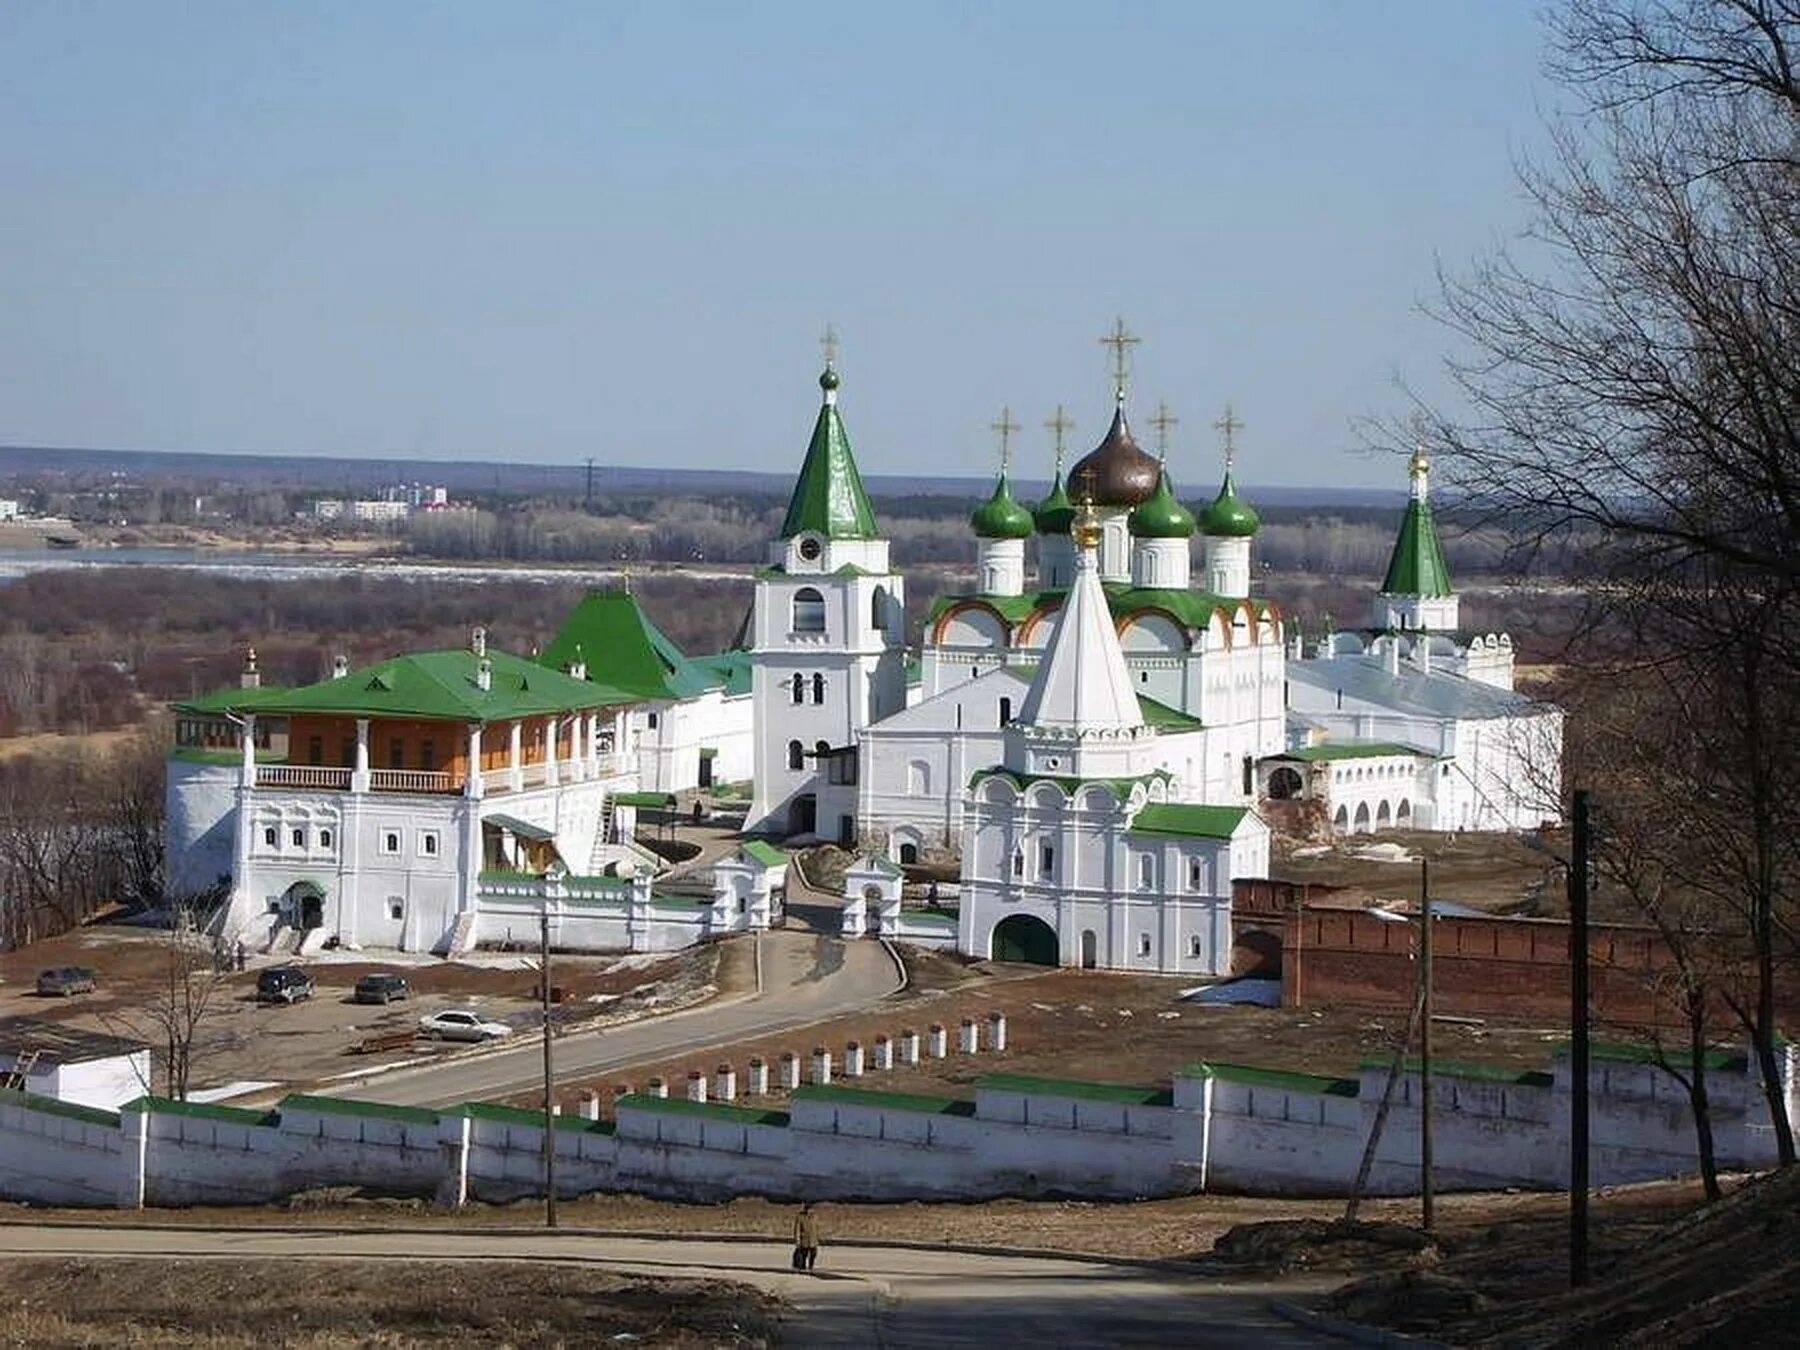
x=1056 y=513
x=1417 y=566
x=1000 y=517
x=621 y=648
x=829 y=498
x=1162 y=516
x=1229 y=515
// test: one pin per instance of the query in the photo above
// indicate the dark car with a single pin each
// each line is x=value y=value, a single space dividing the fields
x=62 y=981
x=381 y=987
x=283 y=984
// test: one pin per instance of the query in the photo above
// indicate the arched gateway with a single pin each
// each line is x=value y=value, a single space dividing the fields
x=1020 y=937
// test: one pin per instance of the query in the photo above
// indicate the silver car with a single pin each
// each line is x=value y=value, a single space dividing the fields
x=462 y=1024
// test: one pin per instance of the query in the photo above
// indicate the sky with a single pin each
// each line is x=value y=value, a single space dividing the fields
x=542 y=232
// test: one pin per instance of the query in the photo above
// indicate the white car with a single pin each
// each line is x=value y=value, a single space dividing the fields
x=462 y=1024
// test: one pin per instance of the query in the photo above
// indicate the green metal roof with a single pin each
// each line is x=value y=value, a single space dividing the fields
x=1202 y=822
x=1417 y=565
x=681 y=1106
x=651 y=799
x=1193 y=609
x=1229 y=516
x=765 y=853
x=1126 y=1094
x=610 y=634
x=523 y=828
x=1164 y=718
x=729 y=671
x=1000 y=517
x=1252 y=1076
x=220 y=701
x=829 y=497
x=1162 y=516
x=435 y=686
x=1121 y=787
x=1318 y=754
x=891 y=1101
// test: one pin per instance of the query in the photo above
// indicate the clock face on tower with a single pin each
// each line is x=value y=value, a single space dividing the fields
x=809 y=549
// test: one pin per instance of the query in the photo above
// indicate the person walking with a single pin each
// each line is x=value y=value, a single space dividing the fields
x=806 y=1238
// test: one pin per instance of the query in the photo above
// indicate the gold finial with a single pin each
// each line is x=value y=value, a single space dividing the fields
x=828 y=343
x=1005 y=427
x=1121 y=340
x=1059 y=427
x=1419 y=463
x=1086 y=525
x=1163 y=420
x=1228 y=427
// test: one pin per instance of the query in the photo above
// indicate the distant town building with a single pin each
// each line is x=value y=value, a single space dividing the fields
x=9 y=508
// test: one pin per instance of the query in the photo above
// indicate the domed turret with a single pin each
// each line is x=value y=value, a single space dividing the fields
x=1229 y=516
x=1000 y=517
x=1117 y=472
x=1056 y=512
x=1162 y=517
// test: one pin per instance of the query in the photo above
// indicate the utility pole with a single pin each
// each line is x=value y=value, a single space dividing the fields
x=588 y=501
x=549 y=1073
x=1578 y=1045
x=1425 y=1195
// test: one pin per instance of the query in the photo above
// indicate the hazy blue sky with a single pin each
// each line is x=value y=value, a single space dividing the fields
x=547 y=231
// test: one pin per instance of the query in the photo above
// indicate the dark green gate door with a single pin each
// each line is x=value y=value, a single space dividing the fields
x=1023 y=938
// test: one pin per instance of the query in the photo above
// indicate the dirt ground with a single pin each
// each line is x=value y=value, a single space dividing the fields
x=1100 y=1027
x=1501 y=873
x=241 y=1040
x=223 y=1305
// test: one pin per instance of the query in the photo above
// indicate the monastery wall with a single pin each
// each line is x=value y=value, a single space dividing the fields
x=1219 y=1127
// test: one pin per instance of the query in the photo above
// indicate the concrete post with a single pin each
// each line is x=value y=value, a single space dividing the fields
x=725 y=1083
x=359 y=773
x=551 y=737
x=853 y=1060
x=590 y=1104
x=883 y=1058
x=515 y=755
x=790 y=1071
x=619 y=1090
x=696 y=1089
x=134 y=1157
x=969 y=1042
x=474 y=784
x=937 y=1043
x=657 y=1088
x=997 y=1032
x=909 y=1048
x=756 y=1080
x=455 y=1135
x=821 y=1065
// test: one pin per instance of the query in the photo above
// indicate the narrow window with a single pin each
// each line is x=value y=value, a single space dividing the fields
x=1146 y=872
x=652 y=719
x=796 y=755
x=818 y=688
x=396 y=753
x=1018 y=862
x=1005 y=711
x=1196 y=947
x=396 y=908
x=390 y=842
x=299 y=838
x=1143 y=944
x=1195 y=873
x=1047 y=861
x=428 y=843
x=1249 y=775
x=799 y=688
x=269 y=837
x=324 y=838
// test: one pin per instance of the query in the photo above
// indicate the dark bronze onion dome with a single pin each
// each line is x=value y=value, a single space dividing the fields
x=1122 y=474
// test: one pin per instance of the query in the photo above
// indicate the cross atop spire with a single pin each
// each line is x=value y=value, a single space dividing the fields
x=828 y=344
x=1228 y=427
x=1059 y=427
x=1163 y=421
x=1005 y=428
x=1121 y=340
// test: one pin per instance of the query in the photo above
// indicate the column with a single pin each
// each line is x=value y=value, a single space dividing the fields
x=577 y=754
x=515 y=755
x=359 y=773
x=247 y=743
x=593 y=721
x=473 y=783
x=551 y=737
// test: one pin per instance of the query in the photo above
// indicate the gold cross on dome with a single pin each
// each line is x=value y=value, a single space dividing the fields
x=1005 y=427
x=1163 y=421
x=1228 y=426
x=828 y=343
x=1121 y=340
x=1059 y=427
x=1086 y=497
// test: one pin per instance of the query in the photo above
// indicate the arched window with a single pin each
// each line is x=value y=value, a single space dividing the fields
x=809 y=611
x=799 y=688
x=1005 y=711
x=796 y=755
x=821 y=748
x=1147 y=872
x=818 y=688
x=878 y=604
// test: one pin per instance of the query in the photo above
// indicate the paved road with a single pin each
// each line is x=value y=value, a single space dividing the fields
x=866 y=1296
x=807 y=977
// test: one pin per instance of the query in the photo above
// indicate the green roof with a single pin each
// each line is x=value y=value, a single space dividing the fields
x=1192 y=609
x=829 y=497
x=221 y=701
x=1121 y=787
x=654 y=800
x=230 y=1115
x=1164 y=718
x=348 y=1106
x=1316 y=754
x=1161 y=516
x=1229 y=516
x=729 y=671
x=1251 y=1076
x=1000 y=517
x=523 y=828
x=892 y=1101
x=55 y=1106
x=1679 y=1057
x=436 y=686
x=611 y=635
x=1127 y=1094
x=1417 y=565
x=1486 y=1073
x=681 y=1106
x=1056 y=512
x=765 y=853
x=1203 y=822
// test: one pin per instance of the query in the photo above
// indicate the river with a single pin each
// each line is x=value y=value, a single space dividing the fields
x=274 y=566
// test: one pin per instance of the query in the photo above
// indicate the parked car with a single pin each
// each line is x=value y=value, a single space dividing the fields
x=462 y=1024
x=63 y=981
x=283 y=984
x=381 y=987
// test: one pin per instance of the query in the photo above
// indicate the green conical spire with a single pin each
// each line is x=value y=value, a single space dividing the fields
x=1229 y=516
x=1417 y=565
x=829 y=497
x=1000 y=517
x=1162 y=516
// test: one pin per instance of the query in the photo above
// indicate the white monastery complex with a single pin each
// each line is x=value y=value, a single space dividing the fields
x=1097 y=736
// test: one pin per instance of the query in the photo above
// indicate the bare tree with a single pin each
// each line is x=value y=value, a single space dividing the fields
x=191 y=990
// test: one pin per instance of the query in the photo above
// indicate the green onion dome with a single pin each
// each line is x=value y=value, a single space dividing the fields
x=1000 y=517
x=1056 y=513
x=1162 y=517
x=1230 y=515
